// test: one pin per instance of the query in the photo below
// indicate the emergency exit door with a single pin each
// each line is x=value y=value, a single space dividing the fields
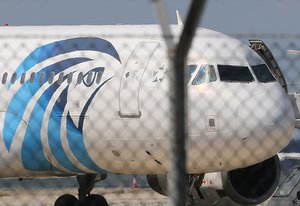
x=131 y=79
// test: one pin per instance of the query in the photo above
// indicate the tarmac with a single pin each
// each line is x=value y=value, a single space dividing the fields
x=114 y=197
x=117 y=191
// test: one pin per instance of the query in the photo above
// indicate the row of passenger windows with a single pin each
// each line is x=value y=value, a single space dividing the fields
x=88 y=79
x=205 y=74
x=229 y=73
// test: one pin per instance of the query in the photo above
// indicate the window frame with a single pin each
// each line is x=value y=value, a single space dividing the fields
x=198 y=69
x=237 y=81
x=259 y=79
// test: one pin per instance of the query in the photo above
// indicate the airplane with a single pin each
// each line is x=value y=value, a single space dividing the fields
x=87 y=101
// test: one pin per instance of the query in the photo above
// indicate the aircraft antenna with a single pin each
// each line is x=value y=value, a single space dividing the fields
x=179 y=20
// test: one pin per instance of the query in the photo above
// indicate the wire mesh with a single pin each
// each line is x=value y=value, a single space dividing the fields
x=95 y=100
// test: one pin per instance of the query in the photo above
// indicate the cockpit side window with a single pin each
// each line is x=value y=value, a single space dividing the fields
x=263 y=73
x=230 y=73
x=191 y=69
x=205 y=74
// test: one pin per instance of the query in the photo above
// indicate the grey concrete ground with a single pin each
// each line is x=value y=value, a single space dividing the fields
x=115 y=197
x=43 y=192
x=116 y=189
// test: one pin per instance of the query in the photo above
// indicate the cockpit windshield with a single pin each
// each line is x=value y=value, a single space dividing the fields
x=191 y=69
x=232 y=73
x=205 y=74
x=262 y=73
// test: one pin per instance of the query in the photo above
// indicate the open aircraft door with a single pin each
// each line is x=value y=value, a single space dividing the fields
x=132 y=75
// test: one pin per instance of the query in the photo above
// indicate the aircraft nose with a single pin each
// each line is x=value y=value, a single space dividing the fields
x=266 y=119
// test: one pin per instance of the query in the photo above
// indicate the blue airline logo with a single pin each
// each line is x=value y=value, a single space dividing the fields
x=32 y=153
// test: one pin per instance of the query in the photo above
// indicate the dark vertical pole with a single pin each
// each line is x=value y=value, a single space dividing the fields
x=177 y=58
x=177 y=174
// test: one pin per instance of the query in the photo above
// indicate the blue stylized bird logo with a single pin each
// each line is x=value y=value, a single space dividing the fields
x=45 y=94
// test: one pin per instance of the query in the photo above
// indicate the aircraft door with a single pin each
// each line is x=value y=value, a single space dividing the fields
x=131 y=79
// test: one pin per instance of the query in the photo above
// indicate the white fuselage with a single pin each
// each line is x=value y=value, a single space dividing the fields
x=118 y=118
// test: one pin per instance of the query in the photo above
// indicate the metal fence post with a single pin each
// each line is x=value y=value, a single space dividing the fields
x=177 y=168
x=177 y=172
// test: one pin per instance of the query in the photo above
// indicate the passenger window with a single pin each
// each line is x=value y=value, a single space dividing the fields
x=60 y=78
x=32 y=76
x=13 y=78
x=230 y=73
x=99 y=77
x=205 y=74
x=88 y=78
x=41 y=79
x=80 y=78
x=4 y=78
x=263 y=73
x=51 y=77
x=22 y=80
x=70 y=77
x=191 y=69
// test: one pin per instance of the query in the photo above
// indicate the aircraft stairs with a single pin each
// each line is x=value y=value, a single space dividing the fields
x=264 y=52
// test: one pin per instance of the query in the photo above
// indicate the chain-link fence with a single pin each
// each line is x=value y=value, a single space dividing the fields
x=90 y=106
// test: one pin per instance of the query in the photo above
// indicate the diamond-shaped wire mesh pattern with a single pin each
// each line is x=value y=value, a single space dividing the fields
x=88 y=111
